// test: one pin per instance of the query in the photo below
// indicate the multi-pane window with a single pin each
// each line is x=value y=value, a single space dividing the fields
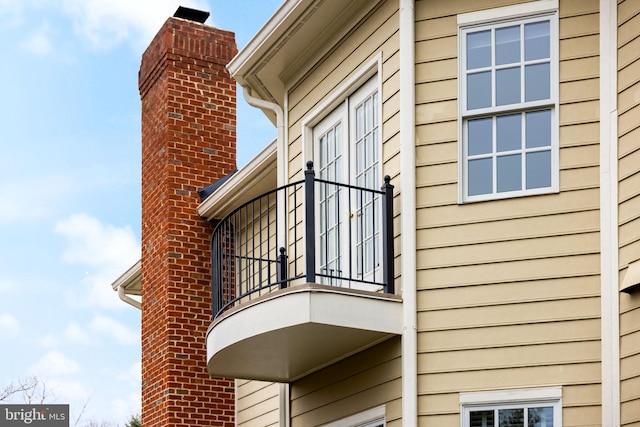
x=367 y=175
x=347 y=151
x=541 y=416
x=331 y=230
x=533 y=407
x=508 y=108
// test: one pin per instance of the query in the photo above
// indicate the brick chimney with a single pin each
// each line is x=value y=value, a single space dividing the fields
x=188 y=142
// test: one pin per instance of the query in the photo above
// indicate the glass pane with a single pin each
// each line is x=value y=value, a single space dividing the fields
x=479 y=90
x=480 y=135
x=508 y=86
x=478 y=50
x=480 y=176
x=537 y=82
x=509 y=173
x=509 y=132
x=540 y=417
x=538 y=125
x=537 y=41
x=359 y=122
x=539 y=169
x=511 y=417
x=507 y=45
x=481 y=419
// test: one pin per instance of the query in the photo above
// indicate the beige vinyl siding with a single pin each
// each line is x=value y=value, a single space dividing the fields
x=366 y=380
x=629 y=203
x=373 y=377
x=257 y=404
x=508 y=290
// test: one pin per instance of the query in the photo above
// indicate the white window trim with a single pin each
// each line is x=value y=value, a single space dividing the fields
x=362 y=419
x=497 y=16
x=517 y=11
x=352 y=84
x=551 y=396
x=366 y=79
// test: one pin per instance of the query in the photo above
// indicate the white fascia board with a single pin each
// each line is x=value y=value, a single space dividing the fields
x=265 y=37
x=130 y=278
x=233 y=187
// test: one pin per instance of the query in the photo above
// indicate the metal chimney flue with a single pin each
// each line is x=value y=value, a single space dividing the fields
x=191 y=14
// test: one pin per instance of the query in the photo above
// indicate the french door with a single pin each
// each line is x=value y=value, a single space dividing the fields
x=347 y=151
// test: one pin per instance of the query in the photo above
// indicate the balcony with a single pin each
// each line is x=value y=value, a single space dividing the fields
x=302 y=276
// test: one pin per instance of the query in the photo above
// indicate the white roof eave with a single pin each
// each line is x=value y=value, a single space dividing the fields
x=130 y=279
x=226 y=197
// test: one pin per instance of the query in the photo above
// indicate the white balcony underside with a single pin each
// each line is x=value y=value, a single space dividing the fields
x=296 y=331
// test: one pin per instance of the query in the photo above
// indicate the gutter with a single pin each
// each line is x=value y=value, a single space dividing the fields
x=128 y=280
x=126 y=298
x=408 y=216
x=280 y=151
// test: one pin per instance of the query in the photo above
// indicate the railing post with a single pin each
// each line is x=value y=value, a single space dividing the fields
x=282 y=268
x=387 y=237
x=309 y=223
x=216 y=273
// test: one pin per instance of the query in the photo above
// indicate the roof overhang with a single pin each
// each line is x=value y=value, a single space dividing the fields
x=254 y=179
x=130 y=280
x=291 y=42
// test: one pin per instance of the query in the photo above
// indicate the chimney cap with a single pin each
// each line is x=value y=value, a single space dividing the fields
x=191 y=14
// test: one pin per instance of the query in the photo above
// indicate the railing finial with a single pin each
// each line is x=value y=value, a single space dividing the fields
x=310 y=164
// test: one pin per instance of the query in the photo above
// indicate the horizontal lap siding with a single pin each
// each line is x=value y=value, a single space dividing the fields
x=629 y=203
x=373 y=377
x=508 y=290
x=257 y=404
x=366 y=380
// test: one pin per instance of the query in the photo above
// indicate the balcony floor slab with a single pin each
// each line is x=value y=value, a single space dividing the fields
x=296 y=331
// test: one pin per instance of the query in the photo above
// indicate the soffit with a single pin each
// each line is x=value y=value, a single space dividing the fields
x=292 y=41
x=130 y=280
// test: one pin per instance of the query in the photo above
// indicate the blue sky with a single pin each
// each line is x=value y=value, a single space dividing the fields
x=70 y=189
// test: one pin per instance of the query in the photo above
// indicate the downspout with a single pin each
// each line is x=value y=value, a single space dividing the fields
x=609 y=242
x=261 y=103
x=408 y=216
x=126 y=298
x=283 y=391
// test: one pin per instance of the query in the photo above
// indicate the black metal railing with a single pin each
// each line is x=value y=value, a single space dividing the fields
x=310 y=231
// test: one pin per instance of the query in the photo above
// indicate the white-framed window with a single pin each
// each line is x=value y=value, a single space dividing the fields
x=374 y=417
x=345 y=146
x=508 y=103
x=535 y=407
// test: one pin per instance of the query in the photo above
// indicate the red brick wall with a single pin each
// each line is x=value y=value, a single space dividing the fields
x=188 y=141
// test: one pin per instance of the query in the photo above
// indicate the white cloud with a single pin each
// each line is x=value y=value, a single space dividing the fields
x=107 y=249
x=133 y=375
x=76 y=334
x=10 y=13
x=9 y=324
x=54 y=363
x=106 y=23
x=39 y=42
x=97 y=245
x=114 y=329
x=68 y=391
x=49 y=341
